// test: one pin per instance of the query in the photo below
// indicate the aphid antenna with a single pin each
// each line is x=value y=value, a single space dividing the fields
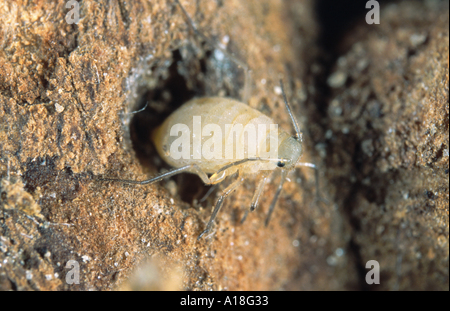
x=299 y=137
x=298 y=133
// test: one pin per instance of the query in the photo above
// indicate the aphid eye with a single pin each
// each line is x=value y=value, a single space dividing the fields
x=280 y=164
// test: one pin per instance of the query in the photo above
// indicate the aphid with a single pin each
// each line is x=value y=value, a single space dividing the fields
x=222 y=111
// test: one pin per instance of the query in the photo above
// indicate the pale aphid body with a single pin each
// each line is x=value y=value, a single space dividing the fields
x=225 y=113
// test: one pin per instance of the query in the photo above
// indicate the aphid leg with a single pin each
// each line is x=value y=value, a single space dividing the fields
x=219 y=204
x=316 y=175
x=277 y=194
x=240 y=63
x=256 y=195
x=192 y=168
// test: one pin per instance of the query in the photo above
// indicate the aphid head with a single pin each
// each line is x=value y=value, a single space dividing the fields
x=289 y=152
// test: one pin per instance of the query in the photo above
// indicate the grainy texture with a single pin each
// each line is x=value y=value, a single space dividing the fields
x=387 y=143
x=379 y=133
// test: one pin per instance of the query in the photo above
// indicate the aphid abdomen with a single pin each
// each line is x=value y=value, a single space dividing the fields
x=212 y=110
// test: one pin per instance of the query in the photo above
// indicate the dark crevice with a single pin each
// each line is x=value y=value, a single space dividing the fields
x=336 y=19
x=355 y=250
x=160 y=102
